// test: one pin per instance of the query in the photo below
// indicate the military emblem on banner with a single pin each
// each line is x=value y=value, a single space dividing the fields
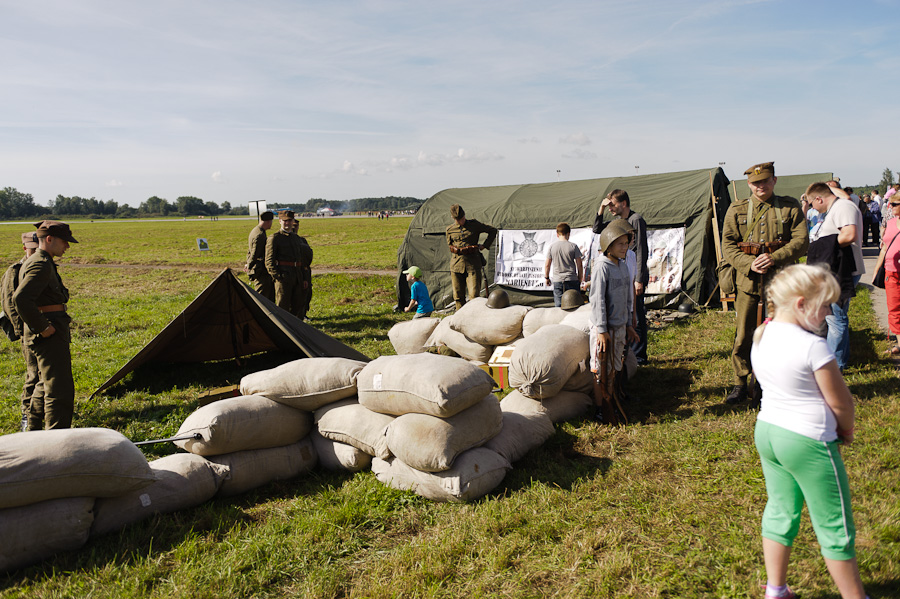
x=528 y=248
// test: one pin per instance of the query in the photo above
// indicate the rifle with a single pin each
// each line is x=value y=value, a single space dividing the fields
x=605 y=389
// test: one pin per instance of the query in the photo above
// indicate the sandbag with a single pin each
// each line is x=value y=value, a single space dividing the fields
x=243 y=423
x=334 y=455
x=422 y=383
x=410 y=337
x=34 y=532
x=488 y=326
x=540 y=317
x=428 y=443
x=74 y=462
x=349 y=422
x=257 y=467
x=583 y=379
x=567 y=405
x=579 y=319
x=466 y=348
x=516 y=402
x=474 y=474
x=522 y=432
x=305 y=384
x=544 y=362
x=183 y=481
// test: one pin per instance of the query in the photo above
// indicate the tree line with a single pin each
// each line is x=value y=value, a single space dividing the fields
x=389 y=203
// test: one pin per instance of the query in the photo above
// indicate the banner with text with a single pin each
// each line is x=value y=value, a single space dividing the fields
x=665 y=260
x=521 y=254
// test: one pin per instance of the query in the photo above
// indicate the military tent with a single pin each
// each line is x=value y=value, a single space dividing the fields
x=229 y=320
x=668 y=200
x=787 y=185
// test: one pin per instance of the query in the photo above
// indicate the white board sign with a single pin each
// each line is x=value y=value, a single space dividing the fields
x=521 y=254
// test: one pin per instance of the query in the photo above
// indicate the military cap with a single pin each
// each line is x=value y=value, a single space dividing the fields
x=55 y=228
x=286 y=215
x=29 y=240
x=760 y=172
x=267 y=215
x=456 y=211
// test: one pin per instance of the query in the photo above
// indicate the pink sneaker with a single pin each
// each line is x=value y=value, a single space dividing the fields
x=788 y=594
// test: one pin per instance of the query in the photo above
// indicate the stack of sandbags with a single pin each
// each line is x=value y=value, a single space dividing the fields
x=544 y=362
x=565 y=405
x=445 y=411
x=539 y=317
x=258 y=439
x=356 y=434
x=579 y=318
x=445 y=336
x=409 y=337
x=48 y=484
x=489 y=326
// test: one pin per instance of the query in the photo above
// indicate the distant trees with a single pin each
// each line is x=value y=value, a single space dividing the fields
x=78 y=206
x=15 y=204
x=887 y=179
x=155 y=206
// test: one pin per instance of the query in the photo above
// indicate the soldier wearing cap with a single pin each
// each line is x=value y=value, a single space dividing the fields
x=466 y=261
x=287 y=256
x=761 y=234
x=256 y=257
x=40 y=300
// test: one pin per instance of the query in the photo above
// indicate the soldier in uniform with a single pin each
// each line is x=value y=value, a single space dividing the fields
x=256 y=257
x=286 y=258
x=761 y=234
x=307 y=273
x=466 y=260
x=40 y=300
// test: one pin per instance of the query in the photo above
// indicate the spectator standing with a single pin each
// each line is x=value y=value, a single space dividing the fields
x=563 y=268
x=890 y=257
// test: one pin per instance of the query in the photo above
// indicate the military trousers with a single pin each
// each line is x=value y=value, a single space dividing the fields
x=746 y=306
x=290 y=294
x=264 y=284
x=466 y=285
x=33 y=388
x=54 y=362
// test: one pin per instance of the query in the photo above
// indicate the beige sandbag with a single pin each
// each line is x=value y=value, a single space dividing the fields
x=334 y=455
x=516 y=402
x=243 y=423
x=430 y=444
x=488 y=326
x=74 y=462
x=544 y=362
x=257 y=467
x=567 y=405
x=474 y=474
x=459 y=343
x=422 y=383
x=540 y=317
x=34 y=532
x=521 y=433
x=583 y=379
x=410 y=337
x=579 y=319
x=183 y=481
x=349 y=422
x=305 y=384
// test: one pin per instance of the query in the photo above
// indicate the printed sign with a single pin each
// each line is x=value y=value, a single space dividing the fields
x=665 y=260
x=521 y=254
x=202 y=244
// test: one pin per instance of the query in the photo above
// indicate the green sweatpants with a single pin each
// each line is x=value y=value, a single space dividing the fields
x=799 y=469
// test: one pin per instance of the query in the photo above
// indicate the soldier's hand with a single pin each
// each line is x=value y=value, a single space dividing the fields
x=602 y=342
x=762 y=264
x=48 y=331
x=631 y=335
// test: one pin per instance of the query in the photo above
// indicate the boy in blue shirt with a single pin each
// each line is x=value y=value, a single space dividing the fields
x=419 y=299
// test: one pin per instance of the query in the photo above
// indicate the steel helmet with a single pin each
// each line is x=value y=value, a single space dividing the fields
x=571 y=300
x=498 y=299
x=613 y=231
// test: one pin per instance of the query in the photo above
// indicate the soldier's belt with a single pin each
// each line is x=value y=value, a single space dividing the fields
x=465 y=250
x=286 y=263
x=753 y=248
x=52 y=308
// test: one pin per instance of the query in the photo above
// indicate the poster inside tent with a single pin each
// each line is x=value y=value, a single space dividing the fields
x=521 y=255
x=665 y=260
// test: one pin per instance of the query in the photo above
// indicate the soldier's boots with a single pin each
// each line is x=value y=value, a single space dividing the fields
x=737 y=395
x=755 y=396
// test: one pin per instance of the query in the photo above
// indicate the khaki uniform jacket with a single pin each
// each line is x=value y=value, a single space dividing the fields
x=466 y=235
x=286 y=247
x=7 y=288
x=256 y=252
x=768 y=227
x=39 y=285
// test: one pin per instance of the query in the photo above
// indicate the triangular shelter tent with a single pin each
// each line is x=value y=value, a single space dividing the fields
x=229 y=320
x=667 y=200
x=787 y=185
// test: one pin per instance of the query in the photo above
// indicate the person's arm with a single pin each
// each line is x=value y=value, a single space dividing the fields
x=799 y=243
x=641 y=275
x=846 y=235
x=491 y=235
x=33 y=280
x=579 y=268
x=834 y=389
x=547 y=270
x=271 y=264
x=731 y=236
x=412 y=305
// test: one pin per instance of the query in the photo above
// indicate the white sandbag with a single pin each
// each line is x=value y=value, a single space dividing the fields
x=347 y=421
x=540 y=317
x=183 y=481
x=522 y=432
x=243 y=423
x=410 y=337
x=474 y=474
x=34 y=532
x=583 y=379
x=488 y=326
x=579 y=319
x=567 y=405
x=516 y=402
x=305 y=384
x=74 y=462
x=334 y=455
x=422 y=383
x=257 y=467
x=459 y=343
x=430 y=444
x=544 y=362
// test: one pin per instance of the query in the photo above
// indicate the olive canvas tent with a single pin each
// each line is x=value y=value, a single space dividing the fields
x=787 y=185
x=668 y=200
x=230 y=320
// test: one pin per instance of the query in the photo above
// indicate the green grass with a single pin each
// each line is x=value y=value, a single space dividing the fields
x=668 y=506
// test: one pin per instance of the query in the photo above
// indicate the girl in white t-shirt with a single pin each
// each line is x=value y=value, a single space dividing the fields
x=807 y=410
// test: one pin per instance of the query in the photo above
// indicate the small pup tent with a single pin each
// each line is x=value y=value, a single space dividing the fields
x=229 y=320
x=666 y=201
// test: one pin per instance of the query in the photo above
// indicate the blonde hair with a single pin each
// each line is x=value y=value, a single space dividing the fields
x=814 y=283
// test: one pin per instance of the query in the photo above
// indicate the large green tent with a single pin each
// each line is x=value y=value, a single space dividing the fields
x=667 y=200
x=787 y=185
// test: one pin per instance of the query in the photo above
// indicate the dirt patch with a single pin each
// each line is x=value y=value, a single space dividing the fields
x=218 y=268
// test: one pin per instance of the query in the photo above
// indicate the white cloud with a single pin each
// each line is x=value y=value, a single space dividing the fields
x=218 y=177
x=576 y=139
x=114 y=183
x=580 y=154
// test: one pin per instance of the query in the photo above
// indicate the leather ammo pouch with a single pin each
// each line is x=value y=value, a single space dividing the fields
x=466 y=250
x=752 y=248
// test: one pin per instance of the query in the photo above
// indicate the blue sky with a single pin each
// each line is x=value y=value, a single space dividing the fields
x=291 y=100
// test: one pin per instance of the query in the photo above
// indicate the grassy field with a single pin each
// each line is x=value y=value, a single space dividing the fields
x=668 y=506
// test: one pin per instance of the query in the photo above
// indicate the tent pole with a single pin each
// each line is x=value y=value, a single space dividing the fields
x=724 y=299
